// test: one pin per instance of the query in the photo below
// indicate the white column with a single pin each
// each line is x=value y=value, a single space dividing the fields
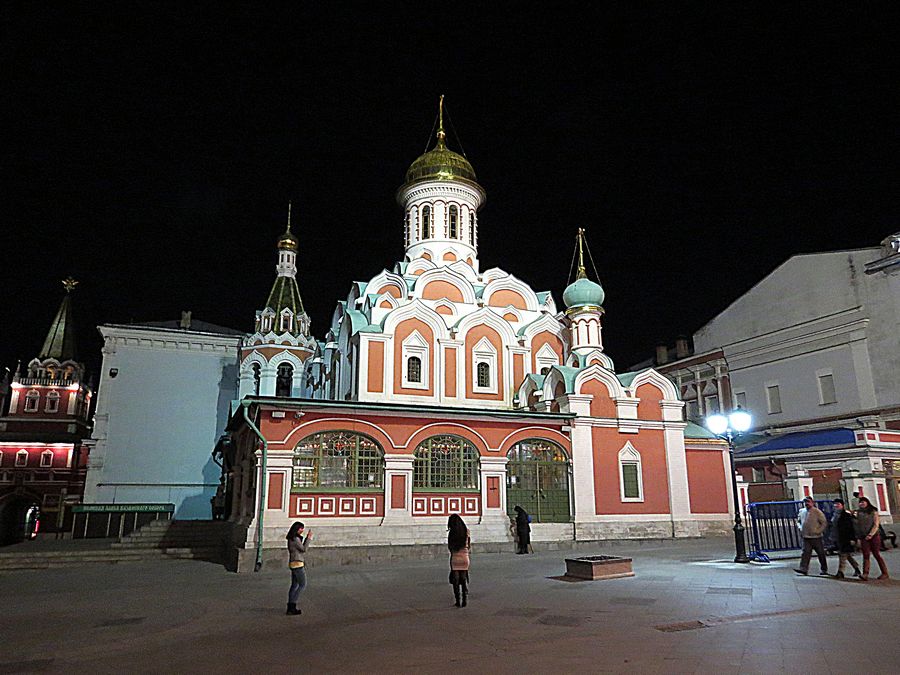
x=676 y=468
x=267 y=378
x=493 y=467
x=398 y=465
x=799 y=483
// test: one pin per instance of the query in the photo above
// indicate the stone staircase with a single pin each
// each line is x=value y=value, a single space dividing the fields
x=184 y=539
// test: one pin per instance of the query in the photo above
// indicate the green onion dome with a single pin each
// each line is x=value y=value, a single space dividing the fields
x=583 y=292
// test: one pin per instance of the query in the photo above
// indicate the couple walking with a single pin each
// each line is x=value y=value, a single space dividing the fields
x=863 y=527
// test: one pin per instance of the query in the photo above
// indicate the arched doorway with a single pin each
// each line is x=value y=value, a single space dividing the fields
x=19 y=515
x=537 y=479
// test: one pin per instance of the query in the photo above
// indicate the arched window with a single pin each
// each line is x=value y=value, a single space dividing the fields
x=52 y=404
x=414 y=369
x=284 y=380
x=446 y=463
x=46 y=459
x=484 y=375
x=338 y=459
x=426 y=222
x=537 y=479
x=454 y=221
x=631 y=480
x=32 y=400
x=472 y=228
x=22 y=458
x=255 y=379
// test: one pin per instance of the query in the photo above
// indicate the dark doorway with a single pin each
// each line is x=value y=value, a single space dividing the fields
x=19 y=518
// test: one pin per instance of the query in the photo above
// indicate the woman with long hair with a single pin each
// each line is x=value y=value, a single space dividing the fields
x=297 y=546
x=867 y=522
x=458 y=542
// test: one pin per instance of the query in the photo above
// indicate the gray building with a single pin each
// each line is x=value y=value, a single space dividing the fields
x=164 y=397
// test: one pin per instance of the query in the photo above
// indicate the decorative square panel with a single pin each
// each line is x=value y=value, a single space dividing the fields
x=305 y=506
x=471 y=505
x=420 y=506
x=453 y=505
x=437 y=505
x=367 y=506
x=326 y=506
x=347 y=506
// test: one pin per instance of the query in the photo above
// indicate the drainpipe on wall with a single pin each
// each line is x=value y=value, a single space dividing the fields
x=262 y=485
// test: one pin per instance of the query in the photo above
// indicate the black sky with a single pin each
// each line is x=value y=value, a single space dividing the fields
x=149 y=150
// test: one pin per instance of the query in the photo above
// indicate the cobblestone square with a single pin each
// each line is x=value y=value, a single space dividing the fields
x=688 y=609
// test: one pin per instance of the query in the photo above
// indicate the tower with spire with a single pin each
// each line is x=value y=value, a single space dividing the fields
x=272 y=356
x=584 y=307
x=53 y=385
x=42 y=436
x=440 y=199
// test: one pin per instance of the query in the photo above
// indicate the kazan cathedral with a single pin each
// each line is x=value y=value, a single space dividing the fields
x=443 y=388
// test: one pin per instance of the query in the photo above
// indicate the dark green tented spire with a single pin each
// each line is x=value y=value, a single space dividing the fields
x=60 y=341
x=285 y=294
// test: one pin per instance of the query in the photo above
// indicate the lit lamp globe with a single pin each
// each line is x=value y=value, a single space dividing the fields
x=718 y=424
x=740 y=420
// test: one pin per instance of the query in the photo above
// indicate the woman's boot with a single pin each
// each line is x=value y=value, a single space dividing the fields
x=292 y=609
x=456 y=594
x=465 y=593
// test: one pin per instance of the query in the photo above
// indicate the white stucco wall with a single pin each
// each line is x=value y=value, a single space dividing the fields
x=158 y=419
x=816 y=312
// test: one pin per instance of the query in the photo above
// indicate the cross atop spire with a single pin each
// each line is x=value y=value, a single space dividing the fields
x=60 y=341
x=582 y=273
x=441 y=135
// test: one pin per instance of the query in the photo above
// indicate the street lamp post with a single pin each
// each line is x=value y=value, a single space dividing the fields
x=728 y=428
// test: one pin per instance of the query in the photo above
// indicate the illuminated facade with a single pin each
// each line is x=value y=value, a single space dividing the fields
x=444 y=388
x=42 y=457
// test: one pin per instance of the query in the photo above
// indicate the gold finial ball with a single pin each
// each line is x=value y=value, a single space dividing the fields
x=288 y=242
x=69 y=284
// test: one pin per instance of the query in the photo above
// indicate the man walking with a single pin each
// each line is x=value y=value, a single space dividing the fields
x=844 y=525
x=814 y=525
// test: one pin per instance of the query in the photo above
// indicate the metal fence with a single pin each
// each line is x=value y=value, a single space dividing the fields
x=774 y=527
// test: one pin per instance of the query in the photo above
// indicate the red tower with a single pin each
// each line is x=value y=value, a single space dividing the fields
x=42 y=459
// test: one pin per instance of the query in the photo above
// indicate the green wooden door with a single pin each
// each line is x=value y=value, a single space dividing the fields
x=537 y=479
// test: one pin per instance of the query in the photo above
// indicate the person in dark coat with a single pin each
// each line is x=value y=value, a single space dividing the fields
x=523 y=529
x=844 y=526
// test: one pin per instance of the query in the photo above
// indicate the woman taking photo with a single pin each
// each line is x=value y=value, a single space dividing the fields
x=867 y=522
x=458 y=542
x=297 y=546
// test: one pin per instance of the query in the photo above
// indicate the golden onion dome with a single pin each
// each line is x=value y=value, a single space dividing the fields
x=288 y=241
x=440 y=163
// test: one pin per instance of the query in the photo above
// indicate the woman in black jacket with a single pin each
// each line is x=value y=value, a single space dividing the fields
x=845 y=533
x=523 y=529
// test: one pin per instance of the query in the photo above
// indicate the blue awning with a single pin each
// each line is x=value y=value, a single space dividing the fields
x=801 y=440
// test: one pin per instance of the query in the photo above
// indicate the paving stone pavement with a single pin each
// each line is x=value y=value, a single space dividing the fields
x=687 y=610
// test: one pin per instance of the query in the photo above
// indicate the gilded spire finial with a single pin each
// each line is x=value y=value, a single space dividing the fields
x=69 y=284
x=289 y=218
x=582 y=273
x=440 y=132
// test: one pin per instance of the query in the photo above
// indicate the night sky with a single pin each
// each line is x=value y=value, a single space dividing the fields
x=150 y=150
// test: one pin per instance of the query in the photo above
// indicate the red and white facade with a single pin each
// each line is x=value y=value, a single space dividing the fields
x=435 y=364
x=42 y=459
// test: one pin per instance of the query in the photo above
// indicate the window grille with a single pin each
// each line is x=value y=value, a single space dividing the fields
x=454 y=221
x=484 y=374
x=447 y=463
x=414 y=369
x=426 y=222
x=338 y=459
